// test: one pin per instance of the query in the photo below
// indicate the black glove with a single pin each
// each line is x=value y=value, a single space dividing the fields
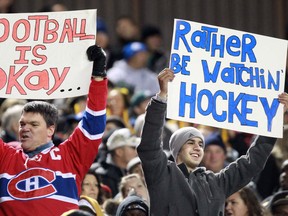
x=98 y=56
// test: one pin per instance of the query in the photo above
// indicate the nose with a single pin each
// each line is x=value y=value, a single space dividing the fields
x=197 y=147
x=228 y=206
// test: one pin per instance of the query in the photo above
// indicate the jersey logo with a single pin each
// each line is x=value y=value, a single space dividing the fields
x=32 y=184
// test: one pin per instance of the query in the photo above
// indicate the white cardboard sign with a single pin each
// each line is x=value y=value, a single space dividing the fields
x=227 y=79
x=43 y=55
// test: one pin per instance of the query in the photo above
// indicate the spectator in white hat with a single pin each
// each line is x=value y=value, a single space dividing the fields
x=121 y=147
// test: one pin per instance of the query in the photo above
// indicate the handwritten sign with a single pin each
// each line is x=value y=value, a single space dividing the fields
x=43 y=55
x=227 y=79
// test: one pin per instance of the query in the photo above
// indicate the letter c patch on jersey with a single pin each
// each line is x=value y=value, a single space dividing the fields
x=32 y=184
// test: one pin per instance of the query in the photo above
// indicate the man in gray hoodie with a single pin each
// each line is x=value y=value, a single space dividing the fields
x=181 y=187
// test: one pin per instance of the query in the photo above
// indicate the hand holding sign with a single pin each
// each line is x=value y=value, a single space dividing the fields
x=283 y=98
x=98 y=55
x=164 y=77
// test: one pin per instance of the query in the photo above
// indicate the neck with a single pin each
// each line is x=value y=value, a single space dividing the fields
x=39 y=149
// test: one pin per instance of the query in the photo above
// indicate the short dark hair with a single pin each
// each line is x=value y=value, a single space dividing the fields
x=45 y=109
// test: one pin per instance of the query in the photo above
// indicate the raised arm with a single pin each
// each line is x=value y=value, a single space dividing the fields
x=243 y=170
x=150 y=149
x=84 y=142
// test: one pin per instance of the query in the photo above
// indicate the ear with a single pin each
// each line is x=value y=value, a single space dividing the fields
x=51 y=130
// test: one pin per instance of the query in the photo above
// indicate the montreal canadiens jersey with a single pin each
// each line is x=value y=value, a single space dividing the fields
x=50 y=182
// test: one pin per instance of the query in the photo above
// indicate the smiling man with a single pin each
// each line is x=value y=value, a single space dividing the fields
x=183 y=188
x=41 y=178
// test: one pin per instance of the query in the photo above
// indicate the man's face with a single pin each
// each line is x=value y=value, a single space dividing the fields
x=135 y=212
x=128 y=153
x=33 y=131
x=138 y=187
x=191 y=153
x=214 y=158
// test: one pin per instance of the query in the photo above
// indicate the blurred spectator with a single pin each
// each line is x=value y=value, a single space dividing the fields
x=267 y=182
x=135 y=166
x=166 y=134
x=284 y=176
x=76 y=212
x=280 y=151
x=240 y=141
x=6 y=6
x=118 y=102
x=132 y=71
x=133 y=205
x=152 y=37
x=91 y=186
x=112 y=123
x=106 y=192
x=9 y=102
x=138 y=125
x=110 y=207
x=283 y=182
x=138 y=104
x=10 y=123
x=90 y=205
x=121 y=147
x=244 y=203
x=127 y=31
x=279 y=204
x=133 y=184
x=55 y=7
x=214 y=153
x=102 y=37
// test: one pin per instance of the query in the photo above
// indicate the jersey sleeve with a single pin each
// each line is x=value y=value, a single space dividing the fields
x=81 y=147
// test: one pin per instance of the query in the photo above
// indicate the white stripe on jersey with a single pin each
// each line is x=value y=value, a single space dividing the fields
x=96 y=113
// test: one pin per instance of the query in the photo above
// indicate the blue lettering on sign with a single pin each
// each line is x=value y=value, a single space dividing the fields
x=240 y=75
x=269 y=111
x=211 y=41
x=179 y=66
x=238 y=106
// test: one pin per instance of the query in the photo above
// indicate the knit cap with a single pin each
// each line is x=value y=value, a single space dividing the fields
x=180 y=137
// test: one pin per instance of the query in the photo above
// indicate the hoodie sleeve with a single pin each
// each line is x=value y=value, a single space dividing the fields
x=150 y=150
x=245 y=168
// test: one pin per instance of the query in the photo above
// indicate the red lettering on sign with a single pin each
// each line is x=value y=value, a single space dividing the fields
x=58 y=80
x=42 y=58
x=41 y=76
x=23 y=50
x=26 y=31
x=82 y=34
x=50 y=32
x=3 y=79
x=13 y=80
x=67 y=31
x=37 y=19
x=6 y=31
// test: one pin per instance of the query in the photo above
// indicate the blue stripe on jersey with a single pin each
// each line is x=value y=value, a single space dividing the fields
x=94 y=123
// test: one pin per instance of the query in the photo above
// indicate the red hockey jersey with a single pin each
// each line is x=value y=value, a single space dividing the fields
x=50 y=182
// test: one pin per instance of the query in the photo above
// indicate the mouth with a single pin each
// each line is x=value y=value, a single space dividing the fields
x=24 y=137
x=195 y=155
